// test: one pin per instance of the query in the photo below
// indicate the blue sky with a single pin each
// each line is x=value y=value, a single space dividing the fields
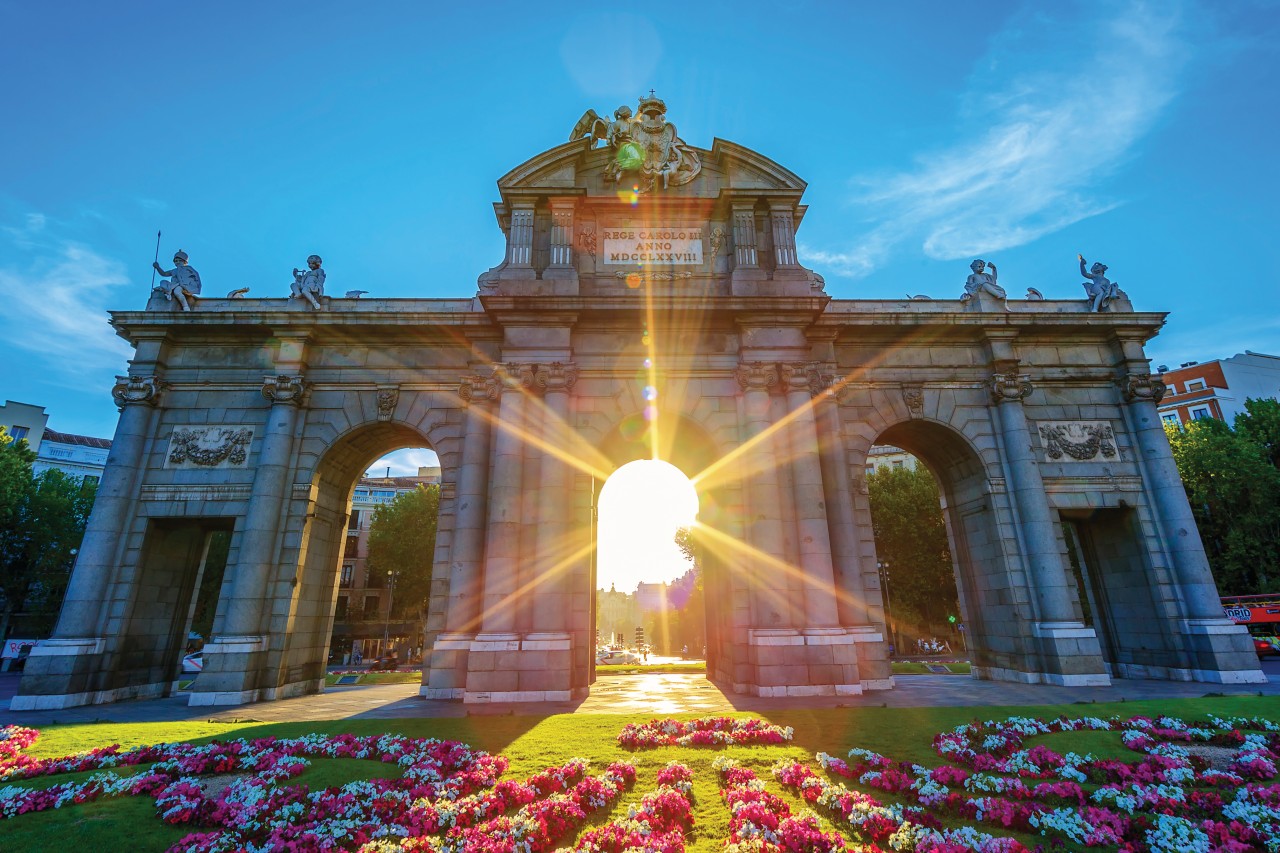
x=1142 y=135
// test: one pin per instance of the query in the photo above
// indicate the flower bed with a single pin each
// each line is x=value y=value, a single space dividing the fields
x=448 y=797
x=706 y=731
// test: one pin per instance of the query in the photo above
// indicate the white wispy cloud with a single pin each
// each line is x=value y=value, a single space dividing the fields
x=55 y=306
x=1053 y=111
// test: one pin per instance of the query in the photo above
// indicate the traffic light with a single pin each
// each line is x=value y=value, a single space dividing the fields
x=951 y=619
x=639 y=636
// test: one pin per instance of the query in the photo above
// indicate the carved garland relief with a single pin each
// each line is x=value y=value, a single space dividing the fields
x=209 y=447
x=1078 y=441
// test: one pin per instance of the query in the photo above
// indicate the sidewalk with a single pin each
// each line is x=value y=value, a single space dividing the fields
x=658 y=694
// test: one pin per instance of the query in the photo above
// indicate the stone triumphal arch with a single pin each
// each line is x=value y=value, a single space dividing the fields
x=651 y=302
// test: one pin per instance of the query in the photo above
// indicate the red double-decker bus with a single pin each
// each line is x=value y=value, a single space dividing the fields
x=1253 y=610
x=1261 y=614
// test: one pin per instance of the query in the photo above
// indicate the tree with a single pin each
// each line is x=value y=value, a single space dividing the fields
x=402 y=541
x=1260 y=423
x=911 y=538
x=1234 y=491
x=42 y=521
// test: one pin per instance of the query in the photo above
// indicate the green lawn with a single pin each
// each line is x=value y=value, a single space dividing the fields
x=533 y=743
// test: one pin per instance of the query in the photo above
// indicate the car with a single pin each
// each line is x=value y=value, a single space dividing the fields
x=617 y=657
x=387 y=663
x=193 y=664
x=1264 y=648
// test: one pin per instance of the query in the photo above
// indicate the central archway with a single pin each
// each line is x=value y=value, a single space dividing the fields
x=689 y=448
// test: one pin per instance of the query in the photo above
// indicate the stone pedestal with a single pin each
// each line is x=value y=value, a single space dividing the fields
x=808 y=662
x=509 y=667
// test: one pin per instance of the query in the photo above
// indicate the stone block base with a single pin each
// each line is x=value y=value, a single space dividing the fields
x=58 y=701
x=1221 y=651
x=446 y=673
x=232 y=672
x=1070 y=656
x=535 y=667
x=997 y=673
x=808 y=662
x=266 y=694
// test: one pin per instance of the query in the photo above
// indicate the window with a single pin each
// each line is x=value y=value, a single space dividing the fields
x=897 y=464
x=1171 y=418
x=354 y=522
x=1200 y=413
x=352 y=548
x=1197 y=385
x=871 y=469
x=89 y=480
x=17 y=433
x=371 y=607
x=340 y=612
x=348 y=572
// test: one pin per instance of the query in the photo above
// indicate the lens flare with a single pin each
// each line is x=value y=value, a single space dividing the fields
x=650 y=393
x=633 y=280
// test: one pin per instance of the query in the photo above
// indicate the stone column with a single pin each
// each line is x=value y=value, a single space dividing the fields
x=520 y=236
x=1220 y=648
x=561 y=234
x=502 y=542
x=447 y=670
x=764 y=499
x=550 y=600
x=1199 y=593
x=744 y=235
x=246 y=605
x=467 y=552
x=1048 y=574
x=784 y=234
x=812 y=531
x=234 y=660
x=851 y=598
x=81 y=616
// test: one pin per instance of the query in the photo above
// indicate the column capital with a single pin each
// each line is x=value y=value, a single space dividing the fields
x=803 y=376
x=136 y=390
x=479 y=389
x=1142 y=388
x=557 y=376
x=757 y=376
x=284 y=388
x=1009 y=387
x=514 y=376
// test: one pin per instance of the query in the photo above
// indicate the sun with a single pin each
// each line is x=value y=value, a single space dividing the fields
x=642 y=505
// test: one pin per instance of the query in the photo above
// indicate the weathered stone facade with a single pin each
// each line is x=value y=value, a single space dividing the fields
x=1030 y=416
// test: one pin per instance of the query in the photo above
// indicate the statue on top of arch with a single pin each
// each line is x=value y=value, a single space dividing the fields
x=645 y=144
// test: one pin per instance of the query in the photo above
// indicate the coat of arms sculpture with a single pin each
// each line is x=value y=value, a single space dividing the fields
x=645 y=144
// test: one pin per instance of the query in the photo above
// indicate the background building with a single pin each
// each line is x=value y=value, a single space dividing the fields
x=363 y=611
x=1218 y=388
x=23 y=420
x=80 y=456
x=882 y=456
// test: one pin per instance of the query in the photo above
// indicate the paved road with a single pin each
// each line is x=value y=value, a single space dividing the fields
x=658 y=694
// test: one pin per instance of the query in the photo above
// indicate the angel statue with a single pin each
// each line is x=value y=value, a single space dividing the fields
x=1100 y=288
x=310 y=284
x=183 y=283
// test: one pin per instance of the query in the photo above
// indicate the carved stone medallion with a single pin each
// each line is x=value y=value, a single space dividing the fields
x=1077 y=441
x=209 y=447
x=387 y=398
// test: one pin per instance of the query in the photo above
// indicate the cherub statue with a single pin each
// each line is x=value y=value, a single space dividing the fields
x=1100 y=288
x=981 y=281
x=183 y=283
x=310 y=284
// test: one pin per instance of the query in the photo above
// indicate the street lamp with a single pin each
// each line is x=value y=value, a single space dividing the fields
x=888 y=618
x=391 y=593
